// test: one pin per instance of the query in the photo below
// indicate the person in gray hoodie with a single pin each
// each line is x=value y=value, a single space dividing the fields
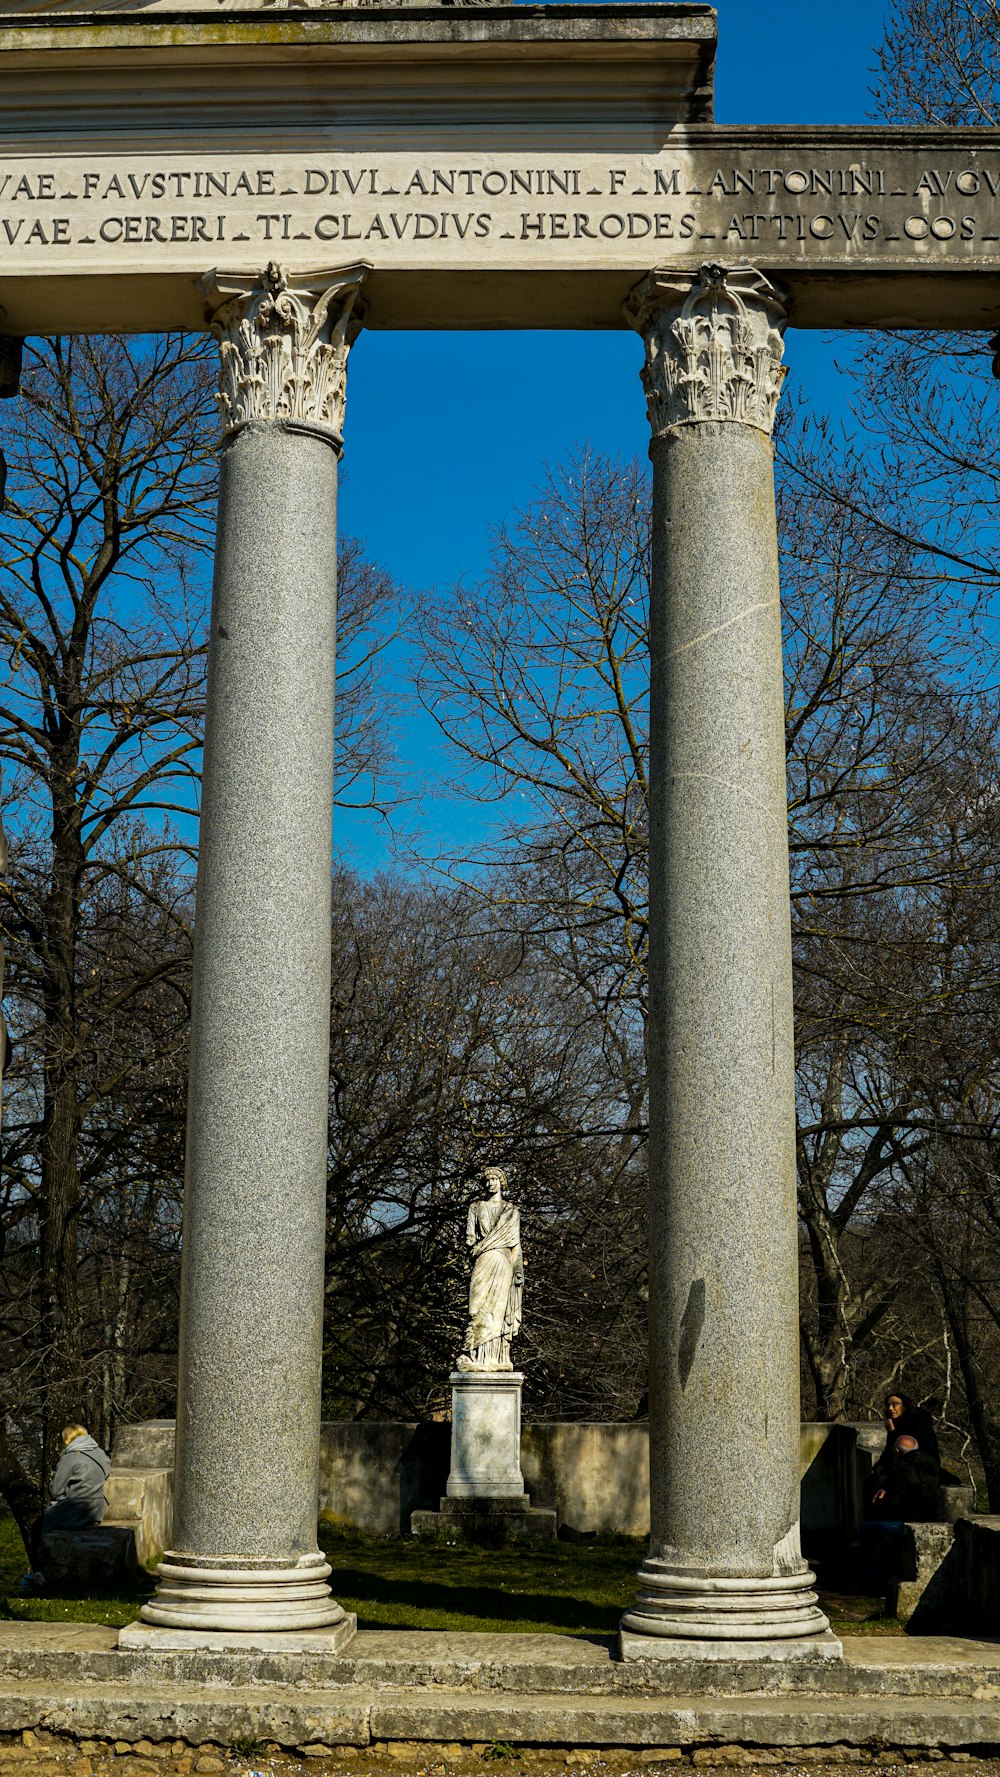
x=76 y=1491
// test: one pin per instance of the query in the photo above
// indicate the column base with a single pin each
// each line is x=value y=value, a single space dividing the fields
x=681 y=1607
x=147 y=1638
x=201 y=1593
x=658 y=1647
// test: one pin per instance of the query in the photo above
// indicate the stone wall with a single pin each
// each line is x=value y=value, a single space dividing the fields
x=373 y=1474
x=596 y=1476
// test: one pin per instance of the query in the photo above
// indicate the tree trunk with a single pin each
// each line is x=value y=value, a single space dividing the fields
x=984 y=1428
x=60 y=1330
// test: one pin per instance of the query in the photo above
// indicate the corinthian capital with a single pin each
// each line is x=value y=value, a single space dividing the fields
x=284 y=350
x=713 y=347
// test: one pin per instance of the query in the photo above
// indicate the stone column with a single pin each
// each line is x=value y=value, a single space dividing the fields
x=724 y=1574
x=244 y=1553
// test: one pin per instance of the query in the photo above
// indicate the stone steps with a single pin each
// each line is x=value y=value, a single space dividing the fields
x=478 y=1665
x=544 y=1690
x=360 y=1717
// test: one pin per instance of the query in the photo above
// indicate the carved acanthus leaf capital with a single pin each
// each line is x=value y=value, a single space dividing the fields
x=284 y=349
x=713 y=347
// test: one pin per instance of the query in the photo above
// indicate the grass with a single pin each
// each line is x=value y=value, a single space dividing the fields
x=556 y=1588
x=114 y=1607
x=859 y=1614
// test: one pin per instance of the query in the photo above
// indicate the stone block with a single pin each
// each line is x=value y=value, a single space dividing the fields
x=959 y=1502
x=929 y=1593
x=149 y=1444
x=98 y=1555
x=144 y=1499
x=830 y=1486
x=804 y=1649
x=150 y=1638
x=977 y=1542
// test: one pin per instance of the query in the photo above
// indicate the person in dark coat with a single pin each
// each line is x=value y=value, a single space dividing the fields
x=903 y=1419
x=911 y=1493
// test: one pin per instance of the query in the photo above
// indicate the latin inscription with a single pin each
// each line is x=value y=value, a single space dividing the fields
x=686 y=203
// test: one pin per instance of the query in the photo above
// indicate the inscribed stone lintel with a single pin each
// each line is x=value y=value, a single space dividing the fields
x=857 y=227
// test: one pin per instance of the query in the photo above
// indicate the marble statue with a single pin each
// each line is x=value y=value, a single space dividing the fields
x=493 y=1234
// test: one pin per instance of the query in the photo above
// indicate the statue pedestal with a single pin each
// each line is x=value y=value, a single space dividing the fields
x=486 y=1435
x=486 y=1501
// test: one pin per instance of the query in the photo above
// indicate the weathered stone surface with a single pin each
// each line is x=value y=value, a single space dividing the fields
x=804 y=1649
x=36 y=1655
x=847 y=221
x=158 y=1713
x=298 y=1717
x=313 y=1644
x=495 y=1522
x=977 y=1542
x=142 y=1499
x=596 y=1476
x=929 y=1593
x=959 y=1501
x=830 y=1485
x=148 y=1444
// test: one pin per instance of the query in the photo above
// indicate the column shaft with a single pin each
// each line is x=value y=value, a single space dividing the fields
x=244 y=1553
x=724 y=1567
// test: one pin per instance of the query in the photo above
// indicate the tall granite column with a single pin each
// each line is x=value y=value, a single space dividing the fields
x=724 y=1573
x=244 y=1553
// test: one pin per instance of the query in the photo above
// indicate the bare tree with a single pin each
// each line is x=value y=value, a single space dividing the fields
x=103 y=601
x=538 y=676
x=101 y=618
x=939 y=62
x=455 y=1046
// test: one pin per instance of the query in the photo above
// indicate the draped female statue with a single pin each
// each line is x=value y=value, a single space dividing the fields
x=493 y=1233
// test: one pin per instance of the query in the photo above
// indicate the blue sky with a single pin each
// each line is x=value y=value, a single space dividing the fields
x=446 y=433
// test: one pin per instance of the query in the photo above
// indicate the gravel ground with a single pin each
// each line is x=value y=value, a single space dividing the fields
x=47 y=1755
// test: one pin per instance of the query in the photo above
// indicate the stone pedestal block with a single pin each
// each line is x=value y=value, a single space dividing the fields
x=928 y=1593
x=144 y=1500
x=496 y=1521
x=486 y=1435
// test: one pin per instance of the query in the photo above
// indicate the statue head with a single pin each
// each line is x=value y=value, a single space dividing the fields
x=495 y=1180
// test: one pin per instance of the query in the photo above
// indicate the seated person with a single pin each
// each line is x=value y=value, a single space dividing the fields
x=910 y=1494
x=911 y=1491
x=903 y=1418
x=77 y=1494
